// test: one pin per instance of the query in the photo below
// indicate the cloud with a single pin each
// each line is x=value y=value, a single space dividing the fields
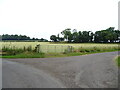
x=41 y=18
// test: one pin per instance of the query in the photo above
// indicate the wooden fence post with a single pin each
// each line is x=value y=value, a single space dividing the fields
x=62 y=49
x=55 y=48
x=71 y=48
x=68 y=49
x=48 y=49
x=39 y=48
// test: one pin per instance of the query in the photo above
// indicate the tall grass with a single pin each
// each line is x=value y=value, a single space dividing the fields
x=27 y=49
x=14 y=51
x=47 y=47
x=21 y=53
x=96 y=49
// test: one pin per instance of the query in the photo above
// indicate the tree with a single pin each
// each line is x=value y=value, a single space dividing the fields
x=16 y=37
x=75 y=36
x=67 y=34
x=97 y=36
x=80 y=36
x=108 y=35
x=91 y=36
x=102 y=36
x=85 y=36
x=61 y=39
x=117 y=35
x=53 y=38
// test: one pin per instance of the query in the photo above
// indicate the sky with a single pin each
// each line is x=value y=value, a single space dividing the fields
x=43 y=18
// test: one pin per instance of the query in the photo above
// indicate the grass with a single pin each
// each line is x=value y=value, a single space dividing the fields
x=49 y=55
x=26 y=49
x=25 y=55
x=118 y=60
x=60 y=48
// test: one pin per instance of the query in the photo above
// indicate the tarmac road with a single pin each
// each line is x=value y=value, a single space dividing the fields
x=16 y=75
x=87 y=71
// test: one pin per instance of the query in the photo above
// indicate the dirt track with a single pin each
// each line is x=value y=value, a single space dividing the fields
x=88 y=71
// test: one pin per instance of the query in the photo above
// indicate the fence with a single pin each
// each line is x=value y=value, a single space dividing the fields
x=54 y=48
x=42 y=48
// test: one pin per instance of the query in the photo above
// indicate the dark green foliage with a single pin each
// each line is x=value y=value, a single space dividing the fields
x=67 y=34
x=109 y=35
x=6 y=37
x=53 y=38
x=14 y=37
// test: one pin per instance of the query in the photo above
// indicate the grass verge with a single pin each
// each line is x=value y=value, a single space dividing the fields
x=25 y=55
x=117 y=59
x=50 y=55
x=28 y=54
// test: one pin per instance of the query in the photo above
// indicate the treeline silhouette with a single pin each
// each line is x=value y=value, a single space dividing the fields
x=109 y=35
x=6 y=37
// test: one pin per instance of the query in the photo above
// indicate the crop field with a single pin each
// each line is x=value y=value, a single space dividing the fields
x=48 y=47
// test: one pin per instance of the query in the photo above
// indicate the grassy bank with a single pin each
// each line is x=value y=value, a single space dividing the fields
x=118 y=60
x=49 y=55
x=50 y=47
x=25 y=55
x=29 y=50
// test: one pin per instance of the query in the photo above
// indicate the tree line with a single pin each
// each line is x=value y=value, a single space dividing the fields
x=109 y=35
x=19 y=37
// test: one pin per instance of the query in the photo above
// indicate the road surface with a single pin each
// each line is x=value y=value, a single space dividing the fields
x=87 y=71
x=16 y=75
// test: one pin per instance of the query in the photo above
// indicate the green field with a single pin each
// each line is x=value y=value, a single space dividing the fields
x=56 y=49
x=52 y=47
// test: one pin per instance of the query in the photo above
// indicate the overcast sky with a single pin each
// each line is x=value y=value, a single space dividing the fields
x=42 y=18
